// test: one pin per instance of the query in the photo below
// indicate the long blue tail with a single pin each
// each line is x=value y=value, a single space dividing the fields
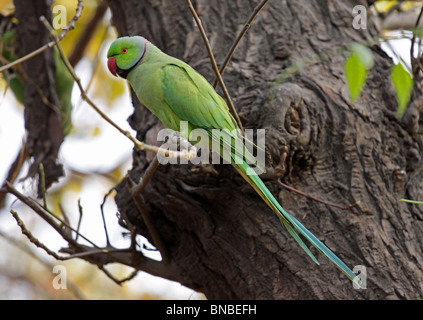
x=293 y=226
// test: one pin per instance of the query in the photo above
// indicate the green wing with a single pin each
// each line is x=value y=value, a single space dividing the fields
x=193 y=99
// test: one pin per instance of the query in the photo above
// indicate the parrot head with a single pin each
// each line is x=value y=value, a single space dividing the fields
x=125 y=54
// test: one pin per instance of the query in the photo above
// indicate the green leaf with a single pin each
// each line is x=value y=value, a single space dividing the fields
x=403 y=83
x=356 y=74
x=356 y=67
x=364 y=54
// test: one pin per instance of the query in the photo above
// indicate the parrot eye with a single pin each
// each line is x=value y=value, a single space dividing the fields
x=124 y=50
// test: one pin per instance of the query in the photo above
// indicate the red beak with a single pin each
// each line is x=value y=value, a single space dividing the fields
x=111 y=64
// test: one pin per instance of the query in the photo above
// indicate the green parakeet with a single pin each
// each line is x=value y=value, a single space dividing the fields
x=174 y=92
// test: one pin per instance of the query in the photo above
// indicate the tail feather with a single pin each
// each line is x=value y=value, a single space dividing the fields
x=293 y=226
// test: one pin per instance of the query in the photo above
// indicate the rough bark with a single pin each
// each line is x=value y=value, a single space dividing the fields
x=222 y=236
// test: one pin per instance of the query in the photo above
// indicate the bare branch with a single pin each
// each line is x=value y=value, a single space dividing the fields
x=102 y=215
x=349 y=207
x=130 y=258
x=78 y=226
x=95 y=255
x=47 y=216
x=33 y=239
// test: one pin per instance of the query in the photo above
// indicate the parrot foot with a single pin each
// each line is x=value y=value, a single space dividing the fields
x=177 y=146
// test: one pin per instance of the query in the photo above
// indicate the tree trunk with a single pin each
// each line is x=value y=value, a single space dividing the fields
x=42 y=112
x=223 y=237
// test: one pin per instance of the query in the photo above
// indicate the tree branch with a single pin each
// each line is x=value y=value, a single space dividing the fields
x=33 y=239
x=93 y=254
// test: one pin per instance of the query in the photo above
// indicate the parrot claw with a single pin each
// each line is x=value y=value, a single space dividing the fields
x=178 y=146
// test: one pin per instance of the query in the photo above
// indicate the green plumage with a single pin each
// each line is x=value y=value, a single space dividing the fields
x=174 y=91
x=171 y=89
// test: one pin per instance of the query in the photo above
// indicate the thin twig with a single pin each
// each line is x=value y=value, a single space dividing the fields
x=96 y=255
x=130 y=277
x=33 y=239
x=111 y=276
x=25 y=248
x=94 y=252
x=81 y=250
x=240 y=36
x=81 y=213
x=214 y=66
x=102 y=215
x=349 y=207
x=66 y=219
x=28 y=56
x=136 y=193
x=411 y=201
x=48 y=216
x=69 y=27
